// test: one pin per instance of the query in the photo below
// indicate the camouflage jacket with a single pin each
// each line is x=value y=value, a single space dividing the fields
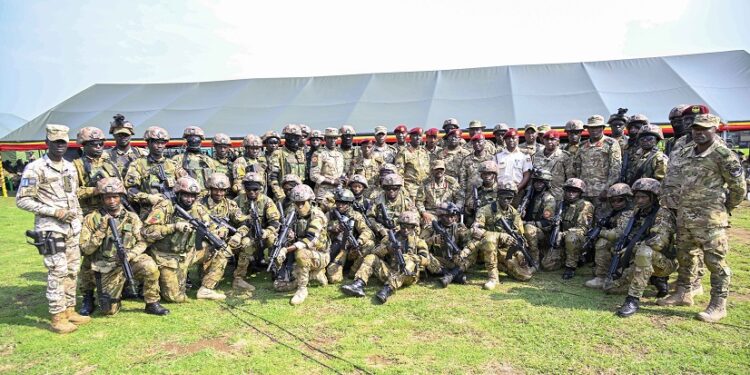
x=350 y=155
x=310 y=231
x=452 y=160
x=598 y=165
x=395 y=208
x=123 y=159
x=369 y=168
x=143 y=178
x=488 y=218
x=244 y=164
x=90 y=171
x=436 y=244
x=414 y=248
x=101 y=244
x=159 y=228
x=268 y=212
x=432 y=193
x=386 y=152
x=577 y=215
x=470 y=168
x=413 y=164
x=560 y=164
x=541 y=209
x=227 y=210
x=327 y=166
x=651 y=164
x=360 y=229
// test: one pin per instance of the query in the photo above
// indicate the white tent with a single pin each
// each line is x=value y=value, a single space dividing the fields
x=9 y=122
x=549 y=93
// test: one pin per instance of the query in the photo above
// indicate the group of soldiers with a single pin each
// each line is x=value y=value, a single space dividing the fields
x=309 y=205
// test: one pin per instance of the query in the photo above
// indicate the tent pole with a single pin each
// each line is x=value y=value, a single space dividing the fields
x=2 y=177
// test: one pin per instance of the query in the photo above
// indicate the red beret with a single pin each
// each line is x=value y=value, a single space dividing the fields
x=477 y=136
x=432 y=131
x=456 y=132
x=510 y=133
x=400 y=129
x=416 y=130
x=367 y=140
x=552 y=134
x=698 y=109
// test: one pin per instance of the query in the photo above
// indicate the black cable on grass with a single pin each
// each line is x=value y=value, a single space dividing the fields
x=321 y=351
x=270 y=337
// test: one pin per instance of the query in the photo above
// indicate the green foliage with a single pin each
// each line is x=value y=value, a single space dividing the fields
x=543 y=326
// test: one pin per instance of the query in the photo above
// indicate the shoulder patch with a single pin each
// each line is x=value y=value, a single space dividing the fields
x=28 y=182
x=723 y=151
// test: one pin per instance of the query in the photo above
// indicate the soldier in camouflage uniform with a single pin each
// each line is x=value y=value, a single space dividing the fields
x=271 y=142
x=358 y=186
x=629 y=153
x=384 y=265
x=174 y=248
x=289 y=160
x=555 y=160
x=150 y=178
x=222 y=157
x=328 y=170
x=499 y=132
x=711 y=186
x=650 y=263
x=490 y=238
x=431 y=144
x=486 y=190
x=541 y=131
x=253 y=160
x=345 y=255
x=538 y=214
x=48 y=190
x=678 y=130
x=476 y=127
x=377 y=189
x=367 y=164
x=316 y=140
x=395 y=200
x=452 y=153
x=310 y=246
x=617 y=122
x=530 y=146
x=469 y=167
x=573 y=129
x=648 y=161
x=575 y=220
x=251 y=247
x=598 y=162
x=97 y=243
x=347 y=148
x=400 y=132
x=289 y=182
x=413 y=163
x=382 y=149
x=445 y=261
x=437 y=189
x=92 y=166
x=619 y=197
x=448 y=126
x=123 y=154
x=192 y=161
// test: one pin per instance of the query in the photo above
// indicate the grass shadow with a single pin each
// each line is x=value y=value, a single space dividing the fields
x=34 y=276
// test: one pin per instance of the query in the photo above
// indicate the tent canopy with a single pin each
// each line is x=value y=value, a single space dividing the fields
x=9 y=122
x=549 y=93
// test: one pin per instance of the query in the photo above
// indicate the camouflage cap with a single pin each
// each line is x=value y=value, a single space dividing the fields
x=575 y=183
x=707 y=121
x=437 y=164
x=488 y=166
x=88 y=134
x=506 y=188
x=654 y=130
x=252 y=177
x=647 y=184
x=595 y=121
x=332 y=132
x=344 y=195
x=638 y=118
x=302 y=193
x=56 y=132
x=528 y=127
x=270 y=134
x=541 y=174
x=676 y=112
x=619 y=189
x=293 y=129
x=218 y=181
x=347 y=130
x=291 y=177
x=358 y=178
x=448 y=208
x=110 y=185
x=392 y=180
x=187 y=184
x=476 y=124
x=193 y=130
x=501 y=127
x=316 y=134
x=252 y=140
x=381 y=130
x=573 y=125
x=222 y=139
x=156 y=133
x=544 y=128
x=408 y=217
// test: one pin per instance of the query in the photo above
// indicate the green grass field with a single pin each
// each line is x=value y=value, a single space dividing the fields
x=543 y=326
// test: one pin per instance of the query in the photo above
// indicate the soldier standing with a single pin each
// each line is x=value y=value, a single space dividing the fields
x=48 y=189
x=598 y=162
x=289 y=160
x=413 y=163
x=123 y=154
x=530 y=146
x=449 y=125
x=617 y=122
x=648 y=161
x=631 y=147
x=222 y=144
x=574 y=220
x=400 y=133
x=328 y=171
x=431 y=144
x=678 y=130
x=469 y=166
x=193 y=162
x=476 y=127
x=437 y=189
x=367 y=164
x=347 y=148
x=253 y=160
x=316 y=140
x=382 y=149
x=573 y=129
x=97 y=242
x=499 y=132
x=558 y=162
x=347 y=252
x=452 y=154
x=711 y=186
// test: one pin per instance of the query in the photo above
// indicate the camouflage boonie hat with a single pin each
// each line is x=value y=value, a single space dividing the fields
x=575 y=183
x=408 y=217
x=501 y=127
x=332 y=132
x=639 y=118
x=359 y=179
x=476 y=124
x=448 y=208
x=573 y=125
x=316 y=134
x=676 y=112
x=488 y=166
x=707 y=121
x=647 y=184
x=156 y=133
x=542 y=175
x=110 y=185
x=218 y=181
x=595 y=121
x=344 y=195
x=119 y=125
x=252 y=177
x=507 y=188
x=347 y=130
x=291 y=178
x=187 y=184
x=302 y=193
x=437 y=164
x=193 y=130
x=252 y=140
x=619 y=189
x=89 y=133
x=270 y=134
x=292 y=129
x=222 y=139
x=392 y=180
x=651 y=130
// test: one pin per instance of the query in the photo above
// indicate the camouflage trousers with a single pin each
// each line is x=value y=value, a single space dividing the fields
x=144 y=270
x=603 y=256
x=412 y=187
x=86 y=282
x=335 y=270
x=710 y=243
x=173 y=270
x=324 y=190
x=493 y=247
x=538 y=240
x=372 y=264
x=438 y=264
x=248 y=251
x=645 y=263
x=572 y=242
x=62 y=273
x=309 y=262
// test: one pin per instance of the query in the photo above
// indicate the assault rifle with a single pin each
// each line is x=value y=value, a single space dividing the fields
x=621 y=259
x=201 y=229
x=521 y=244
x=556 y=223
x=280 y=242
x=384 y=218
x=256 y=231
x=164 y=187
x=397 y=249
x=529 y=192
x=593 y=235
x=451 y=249
x=348 y=235
x=475 y=199
x=122 y=256
x=221 y=222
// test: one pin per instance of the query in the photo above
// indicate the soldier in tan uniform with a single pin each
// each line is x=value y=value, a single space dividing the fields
x=431 y=143
x=347 y=253
x=48 y=190
x=558 y=162
x=452 y=153
x=222 y=156
x=448 y=126
x=394 y=199
x=678 y=130
x=444 y=259
x=538 y=214
x=469 y=166
x=499 y=132
x=328 y=171
x=413 y=163
x=347 y=147
x=486 y=191
x=123 y=153
x=192 y=161
x=617 y=122
x=476 y=127
x=648 y=161
x=289 y=160
x=400 y=132
x=367 y=164
x=574 y=221
x=97 y=242
x=382 y=149
x=437 y=189
x=630 y=151
x=315 y=143
x=253 y=160
x=530 y=146
x=598 y=162
x=573 y=129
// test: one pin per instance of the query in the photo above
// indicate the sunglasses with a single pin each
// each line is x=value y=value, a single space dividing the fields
x=95 y=143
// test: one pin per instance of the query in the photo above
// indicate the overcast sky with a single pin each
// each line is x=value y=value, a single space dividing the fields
x=50 y=50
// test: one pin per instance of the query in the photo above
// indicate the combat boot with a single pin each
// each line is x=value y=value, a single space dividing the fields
x=61 y=324
x=321 y=277
x=696 y=288
x=448 y=277
x=87 y=304
x=155 y=308
x=491 y=284
x=384 y=293
x=299 y=296
x=205 y=293
x=127 y=291
x=628 y=308
x=595 y=283
x=355 y=289
x=460 y=278
x=717 y=309
x=74 y=318
x=681 y=297
x=661 y=285
x=569 y=273
x=189 y=283
x=239 y=283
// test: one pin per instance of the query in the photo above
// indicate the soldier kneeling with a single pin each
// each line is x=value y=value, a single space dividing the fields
x=445 y=238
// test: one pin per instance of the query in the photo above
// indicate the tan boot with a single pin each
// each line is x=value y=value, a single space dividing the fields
x=299 y=297
x=681 y=297
x=60 y=323
x=321 y=277
x=76 y=319
x=205 y=293
x=239 y=283
x=595 y=283
x=696 y=289
x=717 y=309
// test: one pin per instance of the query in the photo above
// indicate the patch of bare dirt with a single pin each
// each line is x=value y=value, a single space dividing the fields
x=378 y=360
x=86 y=370
x=741 y=235
x=7 y=349
x=495 y=367
x=218 y=344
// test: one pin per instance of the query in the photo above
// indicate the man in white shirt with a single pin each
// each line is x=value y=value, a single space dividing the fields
x=512 y=164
